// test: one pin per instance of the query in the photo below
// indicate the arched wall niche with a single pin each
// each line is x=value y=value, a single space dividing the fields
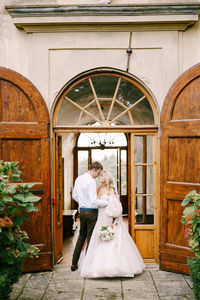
x=105 y=97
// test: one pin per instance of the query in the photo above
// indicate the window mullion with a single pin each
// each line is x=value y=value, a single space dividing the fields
x=114 y=97
x=97 y=101
x=81 y=108
x=126 y=110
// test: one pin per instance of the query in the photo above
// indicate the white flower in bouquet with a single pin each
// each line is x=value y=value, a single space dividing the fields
x=106 y=233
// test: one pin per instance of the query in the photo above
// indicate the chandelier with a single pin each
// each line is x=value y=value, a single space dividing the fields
x=102 y=143
x=102 y=140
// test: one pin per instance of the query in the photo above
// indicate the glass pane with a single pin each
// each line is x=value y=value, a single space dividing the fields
x=142 y=113
x=105 y=85
x=72 y=113
x=144 y=180
x=82 y=162
x=108 y=159
x=116 y=111
x=81 y=93
x=144 y=209
x=144 y=149
x=128 y=93
x=105 y=106
x=123 y=172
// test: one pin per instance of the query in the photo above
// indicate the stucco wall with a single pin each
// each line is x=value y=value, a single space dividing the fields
x=94 y=2
x=50 y=60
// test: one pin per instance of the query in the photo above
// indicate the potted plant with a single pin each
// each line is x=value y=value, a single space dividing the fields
x=191 y=218
x=16 y=201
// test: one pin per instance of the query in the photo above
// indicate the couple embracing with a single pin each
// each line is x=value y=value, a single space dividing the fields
x=110 y=250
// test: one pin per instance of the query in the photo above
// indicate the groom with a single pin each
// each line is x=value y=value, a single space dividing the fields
x=85 y=193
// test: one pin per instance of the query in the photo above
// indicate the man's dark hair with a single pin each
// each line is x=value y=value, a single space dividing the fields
x=96 y=165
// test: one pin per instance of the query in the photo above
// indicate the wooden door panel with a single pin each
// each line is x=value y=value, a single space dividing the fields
x=175 y=230
x=184 y=163
x=180 y=165
x=185 y=107
x=145 y=242
x=173 y=262
x=24 y=137
x=20 y=110
x=29 y=162
x=177 y=191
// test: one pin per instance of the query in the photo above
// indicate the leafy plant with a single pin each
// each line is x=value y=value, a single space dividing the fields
x=16 y=201
x=194 y=265
x=9 y=276
x=191 y=218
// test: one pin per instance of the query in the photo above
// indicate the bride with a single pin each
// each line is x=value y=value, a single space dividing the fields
x=112 y=252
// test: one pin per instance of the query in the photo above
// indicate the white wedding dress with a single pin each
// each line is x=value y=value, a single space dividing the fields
x=118 y=257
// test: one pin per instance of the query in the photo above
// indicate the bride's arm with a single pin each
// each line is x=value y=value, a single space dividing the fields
x=114 y=208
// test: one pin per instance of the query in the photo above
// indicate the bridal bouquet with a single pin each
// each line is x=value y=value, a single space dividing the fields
x=106 y=233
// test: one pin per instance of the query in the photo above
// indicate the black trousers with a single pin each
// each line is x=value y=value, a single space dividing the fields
x=87 y=222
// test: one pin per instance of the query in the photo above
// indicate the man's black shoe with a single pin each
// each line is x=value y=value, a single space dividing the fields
x=74 y=268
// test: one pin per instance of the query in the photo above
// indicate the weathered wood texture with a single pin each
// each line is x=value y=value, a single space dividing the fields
x=58 y=205
x=24 y=137
x=180 y=165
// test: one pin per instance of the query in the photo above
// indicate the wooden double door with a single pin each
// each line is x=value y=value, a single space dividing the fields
x=24 y=137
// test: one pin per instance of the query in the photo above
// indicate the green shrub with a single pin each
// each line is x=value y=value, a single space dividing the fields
x=16 y=202
x=191 y=218
x=194 y=265
x=9 y=276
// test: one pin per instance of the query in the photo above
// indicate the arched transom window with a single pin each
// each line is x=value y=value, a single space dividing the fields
x=105 y=99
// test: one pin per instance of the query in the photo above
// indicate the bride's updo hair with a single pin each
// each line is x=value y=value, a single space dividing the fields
x=109 y=180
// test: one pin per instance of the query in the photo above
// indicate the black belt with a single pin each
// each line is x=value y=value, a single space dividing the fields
x=89 y=209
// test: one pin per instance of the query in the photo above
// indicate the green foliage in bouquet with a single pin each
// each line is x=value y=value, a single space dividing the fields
x=191 y=217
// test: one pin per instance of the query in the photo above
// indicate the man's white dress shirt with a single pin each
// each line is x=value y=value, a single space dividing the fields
x=85 y=192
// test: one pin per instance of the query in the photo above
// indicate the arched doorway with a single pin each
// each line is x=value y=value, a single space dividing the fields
x=24 y=137
x=180 y=165
x=111 y=101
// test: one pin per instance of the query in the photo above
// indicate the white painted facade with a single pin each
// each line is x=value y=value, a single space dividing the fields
x=49 y=60
x=163 y=46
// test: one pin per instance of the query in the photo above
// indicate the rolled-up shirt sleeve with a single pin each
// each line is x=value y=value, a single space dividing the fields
x=93 y=197
x=75 y=193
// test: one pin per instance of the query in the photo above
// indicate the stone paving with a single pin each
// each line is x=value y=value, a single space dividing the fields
x=62 y=284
